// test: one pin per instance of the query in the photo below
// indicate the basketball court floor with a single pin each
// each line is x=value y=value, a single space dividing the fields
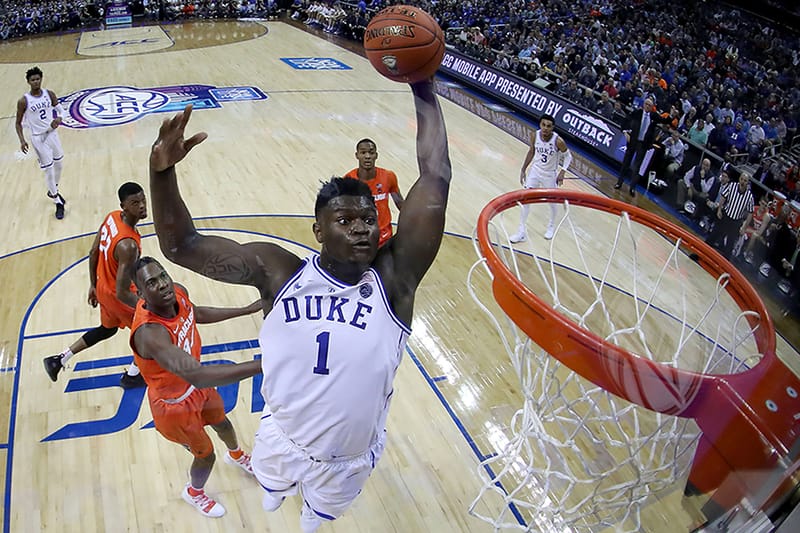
x=283 y=110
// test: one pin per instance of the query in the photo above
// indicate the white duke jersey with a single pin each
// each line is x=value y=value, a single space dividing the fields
x=545 y=157
x=39 y=113
x=330 y=352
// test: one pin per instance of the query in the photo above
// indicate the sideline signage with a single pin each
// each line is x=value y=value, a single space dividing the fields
x=580 y=124
x=118 y=12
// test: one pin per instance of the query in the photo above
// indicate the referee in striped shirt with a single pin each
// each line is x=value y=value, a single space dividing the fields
x=735 y=203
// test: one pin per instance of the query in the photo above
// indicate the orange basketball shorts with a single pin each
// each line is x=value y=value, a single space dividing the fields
x=113 y=313
x=184 y=422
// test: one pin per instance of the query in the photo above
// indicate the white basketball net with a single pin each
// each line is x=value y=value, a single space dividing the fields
x=577 y=457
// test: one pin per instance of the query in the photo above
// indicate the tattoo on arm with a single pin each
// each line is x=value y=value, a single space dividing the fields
x=228 y=267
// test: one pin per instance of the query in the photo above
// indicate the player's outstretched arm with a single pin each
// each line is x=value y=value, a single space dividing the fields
x=259 y=264
x=420 y=225
x=209 y=315
x=152 y=341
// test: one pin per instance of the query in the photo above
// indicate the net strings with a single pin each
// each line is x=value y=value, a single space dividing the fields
x=542 y=479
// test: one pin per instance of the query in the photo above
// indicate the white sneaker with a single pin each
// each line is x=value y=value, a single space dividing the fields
x=519 y=236
x=242 y=462
x=204 y=505
x=548 y=234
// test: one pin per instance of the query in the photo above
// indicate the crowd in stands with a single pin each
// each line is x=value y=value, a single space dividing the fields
x=209 y=9
x=19 y=18
x=730 y=79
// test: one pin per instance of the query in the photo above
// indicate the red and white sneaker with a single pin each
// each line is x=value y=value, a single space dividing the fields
x=242 y=462
x=203 y=503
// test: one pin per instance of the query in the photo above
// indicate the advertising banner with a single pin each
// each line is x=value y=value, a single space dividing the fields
x=118 y=12
x=571 y=119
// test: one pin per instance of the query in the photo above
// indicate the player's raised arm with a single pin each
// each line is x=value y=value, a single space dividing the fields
x=259 y=264
x=421 y=223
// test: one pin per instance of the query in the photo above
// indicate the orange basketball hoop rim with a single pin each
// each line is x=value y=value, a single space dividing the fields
x=760 y=402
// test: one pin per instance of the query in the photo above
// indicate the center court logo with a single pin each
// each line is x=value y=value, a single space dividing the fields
x=116 y=105
x=127 y=42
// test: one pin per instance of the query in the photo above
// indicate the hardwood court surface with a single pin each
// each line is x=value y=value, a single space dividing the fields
x=254 y=178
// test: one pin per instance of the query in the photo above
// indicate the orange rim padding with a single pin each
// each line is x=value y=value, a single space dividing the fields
x=730 y=409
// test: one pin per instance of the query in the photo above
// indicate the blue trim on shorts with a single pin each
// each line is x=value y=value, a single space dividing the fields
x=276 y=490
x=319 y=514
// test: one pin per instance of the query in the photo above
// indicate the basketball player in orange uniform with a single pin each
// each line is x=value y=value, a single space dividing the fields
x=166 y=347
x=115 y=249
x=382 y=182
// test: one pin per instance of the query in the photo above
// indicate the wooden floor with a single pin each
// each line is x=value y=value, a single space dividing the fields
x=79 y=453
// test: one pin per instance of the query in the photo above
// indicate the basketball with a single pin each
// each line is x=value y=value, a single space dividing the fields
x=404 y=44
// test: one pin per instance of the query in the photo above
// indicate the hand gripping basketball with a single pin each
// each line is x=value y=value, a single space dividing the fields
x=404 y=44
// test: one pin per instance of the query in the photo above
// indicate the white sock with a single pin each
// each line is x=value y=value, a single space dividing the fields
x=133 y=370
x=65 y=356
x=553 y=213
x=50 y=182
x=57 y=166
x=523 y=217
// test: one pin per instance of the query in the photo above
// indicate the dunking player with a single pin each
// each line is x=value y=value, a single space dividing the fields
x=115 y=249
x=40 y=111
x=337 y=322
x=551 y=159
x=180 y=390
x=382 y=182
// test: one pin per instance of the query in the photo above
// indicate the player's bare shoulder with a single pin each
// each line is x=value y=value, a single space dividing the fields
x=268 y=269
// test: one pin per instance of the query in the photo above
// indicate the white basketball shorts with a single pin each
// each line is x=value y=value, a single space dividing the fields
x=328 y=487
x=47 y=147
x=535 y=180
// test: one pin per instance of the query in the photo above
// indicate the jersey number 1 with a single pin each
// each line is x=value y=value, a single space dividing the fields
x=322 y=353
